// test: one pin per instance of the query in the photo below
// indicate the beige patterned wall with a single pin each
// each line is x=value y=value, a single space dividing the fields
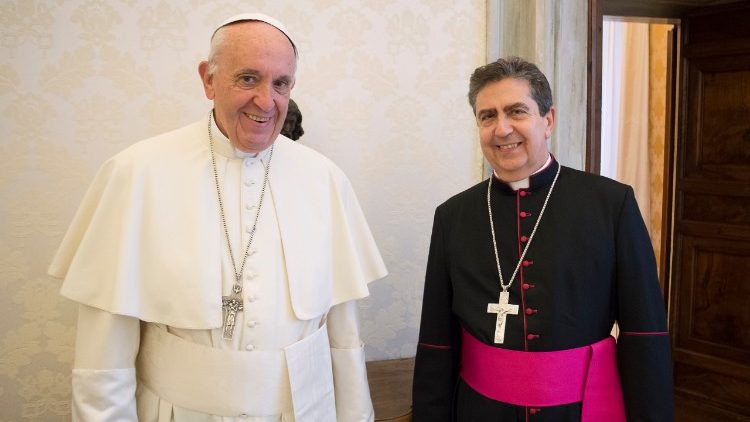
x=382 y=88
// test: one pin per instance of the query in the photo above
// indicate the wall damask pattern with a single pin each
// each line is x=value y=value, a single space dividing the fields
x=382 y=88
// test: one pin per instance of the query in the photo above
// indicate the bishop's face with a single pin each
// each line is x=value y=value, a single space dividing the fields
x=251 y=85
x=512 y=133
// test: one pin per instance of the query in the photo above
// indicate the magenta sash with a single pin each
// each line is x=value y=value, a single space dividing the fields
x=585 y=374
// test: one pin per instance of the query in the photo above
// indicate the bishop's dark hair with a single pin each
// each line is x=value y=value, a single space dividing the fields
x=512 y=67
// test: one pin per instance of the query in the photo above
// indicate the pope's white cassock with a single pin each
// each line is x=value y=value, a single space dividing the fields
x=146 y=258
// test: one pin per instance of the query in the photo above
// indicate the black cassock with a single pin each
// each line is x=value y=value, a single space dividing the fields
x=590 y=264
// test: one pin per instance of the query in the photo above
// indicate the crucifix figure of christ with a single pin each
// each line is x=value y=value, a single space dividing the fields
x=231 y=305
x=502 y=309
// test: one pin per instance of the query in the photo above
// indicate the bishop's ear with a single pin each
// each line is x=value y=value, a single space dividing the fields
x=550 y=118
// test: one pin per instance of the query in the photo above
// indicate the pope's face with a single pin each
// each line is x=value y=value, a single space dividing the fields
x=512 y=132
x=251 y=85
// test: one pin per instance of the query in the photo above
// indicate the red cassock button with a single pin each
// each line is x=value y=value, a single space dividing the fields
x=532 y=336
x=526 y=286
x=524 y=239
x=523 y=193
x=530 y=311
x=527 y=262
x=524 y=214
x=534 y=410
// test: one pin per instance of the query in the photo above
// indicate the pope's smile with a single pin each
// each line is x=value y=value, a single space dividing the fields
x=257 y=118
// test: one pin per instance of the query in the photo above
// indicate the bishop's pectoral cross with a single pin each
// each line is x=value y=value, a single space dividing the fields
x=502 y=309
x=231 y=305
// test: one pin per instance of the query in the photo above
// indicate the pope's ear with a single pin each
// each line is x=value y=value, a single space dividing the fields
x=207 y=79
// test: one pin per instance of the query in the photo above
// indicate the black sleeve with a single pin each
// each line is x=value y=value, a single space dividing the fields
x=643 y=348
x=436 y=365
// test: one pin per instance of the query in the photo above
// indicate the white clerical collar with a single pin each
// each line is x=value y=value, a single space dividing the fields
x=224 y=146
x=525 y=183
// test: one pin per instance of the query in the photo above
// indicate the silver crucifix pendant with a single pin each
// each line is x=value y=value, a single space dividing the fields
x=231 y=306
x=502 y=308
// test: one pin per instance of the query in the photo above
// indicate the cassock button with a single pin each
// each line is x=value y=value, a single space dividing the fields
x=252 y=324
x=249 y=347
x=527 y=262
x=524 y=214
x=523 y=193
x=249 y=182
x=534 y=410
x=532 y=336
x=526 y=286
x=524 y=239
x=249 y=207
x=251 y=298
x=531 y=311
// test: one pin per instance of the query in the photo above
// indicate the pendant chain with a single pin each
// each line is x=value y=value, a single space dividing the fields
x=237 y=287
x=531 y=237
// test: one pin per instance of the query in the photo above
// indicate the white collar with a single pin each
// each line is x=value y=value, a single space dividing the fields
x=225 y=148
x=524 y=183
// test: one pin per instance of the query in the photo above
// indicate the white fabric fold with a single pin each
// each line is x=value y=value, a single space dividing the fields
x=104 y=395
x=106 y=339
x=311 y=378
x=353 y=404
x=210 y=380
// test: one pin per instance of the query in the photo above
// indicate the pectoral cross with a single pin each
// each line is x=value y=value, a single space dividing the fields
x=502 y=309
x=231 y=305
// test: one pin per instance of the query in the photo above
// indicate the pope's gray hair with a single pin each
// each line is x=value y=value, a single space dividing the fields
x=216 y=42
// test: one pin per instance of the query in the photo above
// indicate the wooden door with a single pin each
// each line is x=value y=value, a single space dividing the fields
x=709 y=292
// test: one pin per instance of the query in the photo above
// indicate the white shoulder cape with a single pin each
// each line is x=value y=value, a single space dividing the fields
x=146 y=240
